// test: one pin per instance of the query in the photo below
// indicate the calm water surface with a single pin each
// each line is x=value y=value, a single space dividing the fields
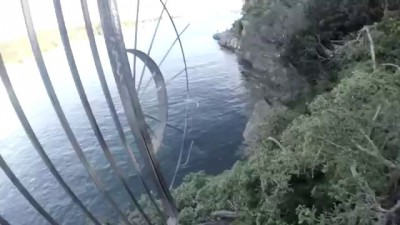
x=219 y=105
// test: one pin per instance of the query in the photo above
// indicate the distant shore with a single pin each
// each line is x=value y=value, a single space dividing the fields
x=17 y=50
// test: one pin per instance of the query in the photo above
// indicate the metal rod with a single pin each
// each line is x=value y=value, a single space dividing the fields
x=178 y=164
x=171 y=79
x=110 y=103
x=175 y=76
x=151 y=46
x=58 y=109
x=177 y=39
x=136 y=37
x=3 y=221
x=86 y=105
x=25 y=192
x=35 y=141
x=165 y=56
x=122 y=75
x=168 y=125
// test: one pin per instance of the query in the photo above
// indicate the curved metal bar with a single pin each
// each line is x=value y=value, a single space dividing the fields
x=3 y=221
x=130 y=101
x=165 y=56
x=178 y=164
x=110 y=103
x=25 y=192
x=86 y=105
x=161 y=93
x=35 y=142
x=151 y=46
x=58 y=109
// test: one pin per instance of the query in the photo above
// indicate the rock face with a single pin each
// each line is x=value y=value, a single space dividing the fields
x=288 y=48
x=259 y=44
x=227 y=39
x=263 y=37
x=280 y=83
x=261 y=112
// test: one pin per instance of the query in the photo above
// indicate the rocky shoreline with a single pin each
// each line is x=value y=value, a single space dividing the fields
x=319 y=164
x=227 y=39
x=275 y=85
x=288 y=59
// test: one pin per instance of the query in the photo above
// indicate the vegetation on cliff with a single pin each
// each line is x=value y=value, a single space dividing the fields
x=337 y=163
x=302 y=34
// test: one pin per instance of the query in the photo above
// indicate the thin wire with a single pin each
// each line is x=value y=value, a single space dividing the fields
x=165 y=56
x=111 y=106
x=175 y=76
x=178 y=39
x=151 y=46
x=3 y=221
x=25 y=192
x=136 y=37
x=86 y=105
x=122 y=74
x=188 y=155
x=187 y=96
x=35 y=142
x=58 y=109
x=171 y=79
x=166 y=83
x=168 y=125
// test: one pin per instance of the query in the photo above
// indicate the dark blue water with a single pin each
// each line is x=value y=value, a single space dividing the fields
x=219 y=106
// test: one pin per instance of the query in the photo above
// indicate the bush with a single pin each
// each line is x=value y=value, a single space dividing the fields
x=328 y=166
x=327 y=170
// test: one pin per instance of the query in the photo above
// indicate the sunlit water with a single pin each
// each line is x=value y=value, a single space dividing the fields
x=218 y=103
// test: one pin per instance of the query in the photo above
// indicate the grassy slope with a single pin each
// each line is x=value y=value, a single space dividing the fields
x=329 y=166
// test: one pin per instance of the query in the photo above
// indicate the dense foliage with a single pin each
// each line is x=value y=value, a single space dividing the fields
x=331 y=165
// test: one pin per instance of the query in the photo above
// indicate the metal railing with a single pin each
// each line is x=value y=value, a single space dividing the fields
x=147 y=142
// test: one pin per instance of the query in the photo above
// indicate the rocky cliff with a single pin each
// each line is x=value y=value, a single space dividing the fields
x=290 y=45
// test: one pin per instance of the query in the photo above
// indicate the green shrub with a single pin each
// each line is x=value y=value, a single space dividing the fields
x=328 y=166
x=327 y=170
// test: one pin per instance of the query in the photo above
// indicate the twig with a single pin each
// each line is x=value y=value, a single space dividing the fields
x=391 y=64
x=277 y=143
x=371 y=46
x=370 y=141
x=378 y=110
x=391 y=210
x=375 y=155
x=234 y=205
x=332 y=143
